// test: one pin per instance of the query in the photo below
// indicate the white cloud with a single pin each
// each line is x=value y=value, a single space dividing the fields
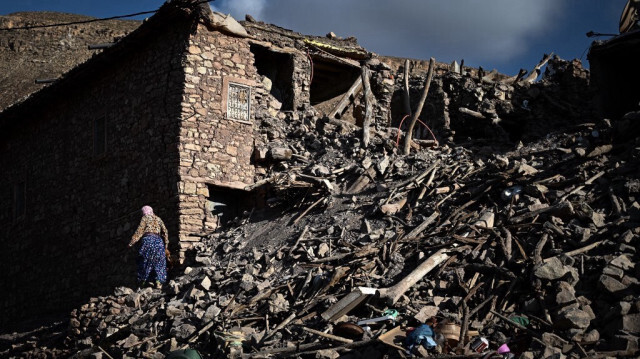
x=482 y=32
x=238 y=8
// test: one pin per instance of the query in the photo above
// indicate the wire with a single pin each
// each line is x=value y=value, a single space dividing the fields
x=75 y=22
x=583 y=52
x=88 y=21
x=400 y=126
x=424 y=124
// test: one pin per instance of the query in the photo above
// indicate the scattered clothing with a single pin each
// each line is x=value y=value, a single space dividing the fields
x=422 y=335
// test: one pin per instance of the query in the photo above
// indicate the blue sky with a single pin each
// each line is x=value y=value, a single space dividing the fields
x=503 y=34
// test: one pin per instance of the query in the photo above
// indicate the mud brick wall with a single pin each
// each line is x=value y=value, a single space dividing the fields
x=82 y=208
x=214 y=149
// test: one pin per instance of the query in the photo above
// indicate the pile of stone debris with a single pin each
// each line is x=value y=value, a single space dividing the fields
x=475 y=249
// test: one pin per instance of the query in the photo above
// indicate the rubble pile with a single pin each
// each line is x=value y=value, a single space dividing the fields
x=464 y=105
x=487 y=247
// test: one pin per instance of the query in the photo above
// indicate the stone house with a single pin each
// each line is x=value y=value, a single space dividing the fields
x=168 y=116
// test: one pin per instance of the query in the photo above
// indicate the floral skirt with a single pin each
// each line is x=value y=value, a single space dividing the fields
x=152 y=263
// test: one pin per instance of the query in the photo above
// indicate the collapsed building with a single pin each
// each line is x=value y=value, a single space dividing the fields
x=167 y=116
x=200 y=119
x=178 y=117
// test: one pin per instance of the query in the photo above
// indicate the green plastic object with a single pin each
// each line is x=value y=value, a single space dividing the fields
x=184 y=354
x=520 y=320
x=391 y=312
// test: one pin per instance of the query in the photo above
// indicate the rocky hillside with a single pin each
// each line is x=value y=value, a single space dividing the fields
x=45 y=53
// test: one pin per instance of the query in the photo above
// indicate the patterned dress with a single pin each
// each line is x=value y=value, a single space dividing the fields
x=152 y=263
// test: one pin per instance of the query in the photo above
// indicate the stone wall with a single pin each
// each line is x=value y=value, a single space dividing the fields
x=302 y=81
x=82 y=207
x=214 y=149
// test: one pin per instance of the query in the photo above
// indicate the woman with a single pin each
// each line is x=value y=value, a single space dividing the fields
x=152 y=262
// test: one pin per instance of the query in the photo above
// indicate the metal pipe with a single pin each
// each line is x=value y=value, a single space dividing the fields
x=45 y=81
x=101 y=46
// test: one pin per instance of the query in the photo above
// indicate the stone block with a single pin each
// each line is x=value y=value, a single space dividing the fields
x=572 y=318
x=623 y=262
x=205 y=283
x=212 y=312
x=614 y=272
x=566 y=293
x=612 y=285
x=631 y=323
x=551 y=270
x=204 y=191
x=426 y=313
x=232 y=150
x=190 y=188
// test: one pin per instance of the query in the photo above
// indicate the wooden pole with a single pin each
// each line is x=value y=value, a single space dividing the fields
x=416 y=114
x=368 y=112
x=329 y=336
x=392 y=294
x=407 y=98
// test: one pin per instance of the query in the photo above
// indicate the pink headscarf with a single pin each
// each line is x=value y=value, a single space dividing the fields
x=147 y=211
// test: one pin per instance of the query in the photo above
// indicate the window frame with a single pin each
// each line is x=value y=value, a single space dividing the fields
x=229 y=92
x=249 y=84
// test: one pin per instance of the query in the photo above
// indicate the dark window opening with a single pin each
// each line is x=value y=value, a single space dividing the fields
x=227 y=205
x=278 y=67
x=19 y=200
x=331 y=80
x=99 y=136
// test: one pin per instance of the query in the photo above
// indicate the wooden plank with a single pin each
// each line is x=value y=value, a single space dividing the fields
x=368 y=105
x=347 y=98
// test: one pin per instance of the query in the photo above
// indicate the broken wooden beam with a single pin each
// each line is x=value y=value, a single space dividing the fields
x=392 y=294
x=472 y=113
x=368 y=106
x=533 y=75
x=347 y=303
x=422 y=226
x=328 y=336
x=347 y=98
